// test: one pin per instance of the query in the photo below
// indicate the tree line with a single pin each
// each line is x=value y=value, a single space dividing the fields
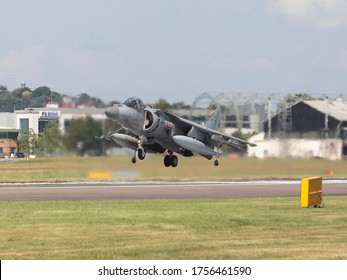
x=24 y=97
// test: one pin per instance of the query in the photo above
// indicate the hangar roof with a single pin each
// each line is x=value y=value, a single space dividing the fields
x=335 y=109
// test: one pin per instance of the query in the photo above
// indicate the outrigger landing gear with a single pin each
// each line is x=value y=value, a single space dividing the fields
x=170 y=160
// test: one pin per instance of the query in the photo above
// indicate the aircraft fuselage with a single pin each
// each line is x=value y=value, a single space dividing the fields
x=146 y=129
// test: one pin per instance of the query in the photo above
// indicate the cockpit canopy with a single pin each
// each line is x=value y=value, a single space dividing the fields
x=134 y=102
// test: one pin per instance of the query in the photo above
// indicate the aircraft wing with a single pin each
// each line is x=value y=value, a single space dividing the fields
x=217 y=137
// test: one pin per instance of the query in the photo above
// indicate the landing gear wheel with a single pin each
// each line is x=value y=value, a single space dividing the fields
x=174 y=161
x=141 y=154
x=216 y=162
x=167 y=161
x=133 y=160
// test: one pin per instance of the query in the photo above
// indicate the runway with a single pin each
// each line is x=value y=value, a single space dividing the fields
x=159 y=190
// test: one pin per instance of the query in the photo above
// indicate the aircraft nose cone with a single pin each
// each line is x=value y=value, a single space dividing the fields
x=112 y=112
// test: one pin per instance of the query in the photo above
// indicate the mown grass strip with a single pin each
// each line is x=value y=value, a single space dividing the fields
x=267 y=228
x=196 y=168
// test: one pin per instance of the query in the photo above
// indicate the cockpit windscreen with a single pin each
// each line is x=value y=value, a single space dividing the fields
x=133 y=102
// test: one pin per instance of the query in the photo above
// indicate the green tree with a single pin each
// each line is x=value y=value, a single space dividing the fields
x=18 y=92
x=40 y=96
x=3 y=89
x=50 y=141
x=83 y=98
x=28 y=142
x=56 y=97
x=9 y=102
x=42 y=91
x=80 y=136
x=180 y=105
x=23 y=142
x=162 y=104
x=98 y=102
x=38 y=101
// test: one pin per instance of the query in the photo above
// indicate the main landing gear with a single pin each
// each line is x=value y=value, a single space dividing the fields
x=170 y=160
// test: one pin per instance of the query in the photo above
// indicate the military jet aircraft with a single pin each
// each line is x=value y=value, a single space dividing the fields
x=149 y=130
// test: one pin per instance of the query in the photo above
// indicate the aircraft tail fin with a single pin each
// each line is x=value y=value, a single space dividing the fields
x=214 y=121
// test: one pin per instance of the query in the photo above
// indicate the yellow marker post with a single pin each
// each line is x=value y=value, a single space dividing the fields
x=100 y=175
x=311 y=192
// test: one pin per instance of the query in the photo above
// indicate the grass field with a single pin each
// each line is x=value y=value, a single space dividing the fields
x=76 y=169
x=267 y=228
x=271 y=228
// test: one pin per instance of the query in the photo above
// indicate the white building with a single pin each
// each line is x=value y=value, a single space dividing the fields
x=8 y=135
x=36 y=119
x=330 y=148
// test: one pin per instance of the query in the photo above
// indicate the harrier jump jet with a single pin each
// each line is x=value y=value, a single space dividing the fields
x=149 y=130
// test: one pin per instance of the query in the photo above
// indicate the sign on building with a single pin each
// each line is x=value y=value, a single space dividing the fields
x=49 y=114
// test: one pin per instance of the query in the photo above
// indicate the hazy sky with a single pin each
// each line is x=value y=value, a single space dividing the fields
x=177 y=50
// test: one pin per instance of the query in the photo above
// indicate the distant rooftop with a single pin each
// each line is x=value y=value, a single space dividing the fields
x=335 y=109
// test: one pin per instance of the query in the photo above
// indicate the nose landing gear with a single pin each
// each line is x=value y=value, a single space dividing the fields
x=141 y=154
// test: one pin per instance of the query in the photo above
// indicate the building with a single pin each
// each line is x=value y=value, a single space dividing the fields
x=309 y=128
x=36 y=119
x=309 y=119
x=330 y=148
x=8 y=135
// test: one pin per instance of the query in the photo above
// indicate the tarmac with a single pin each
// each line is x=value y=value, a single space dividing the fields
x=162 y=189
